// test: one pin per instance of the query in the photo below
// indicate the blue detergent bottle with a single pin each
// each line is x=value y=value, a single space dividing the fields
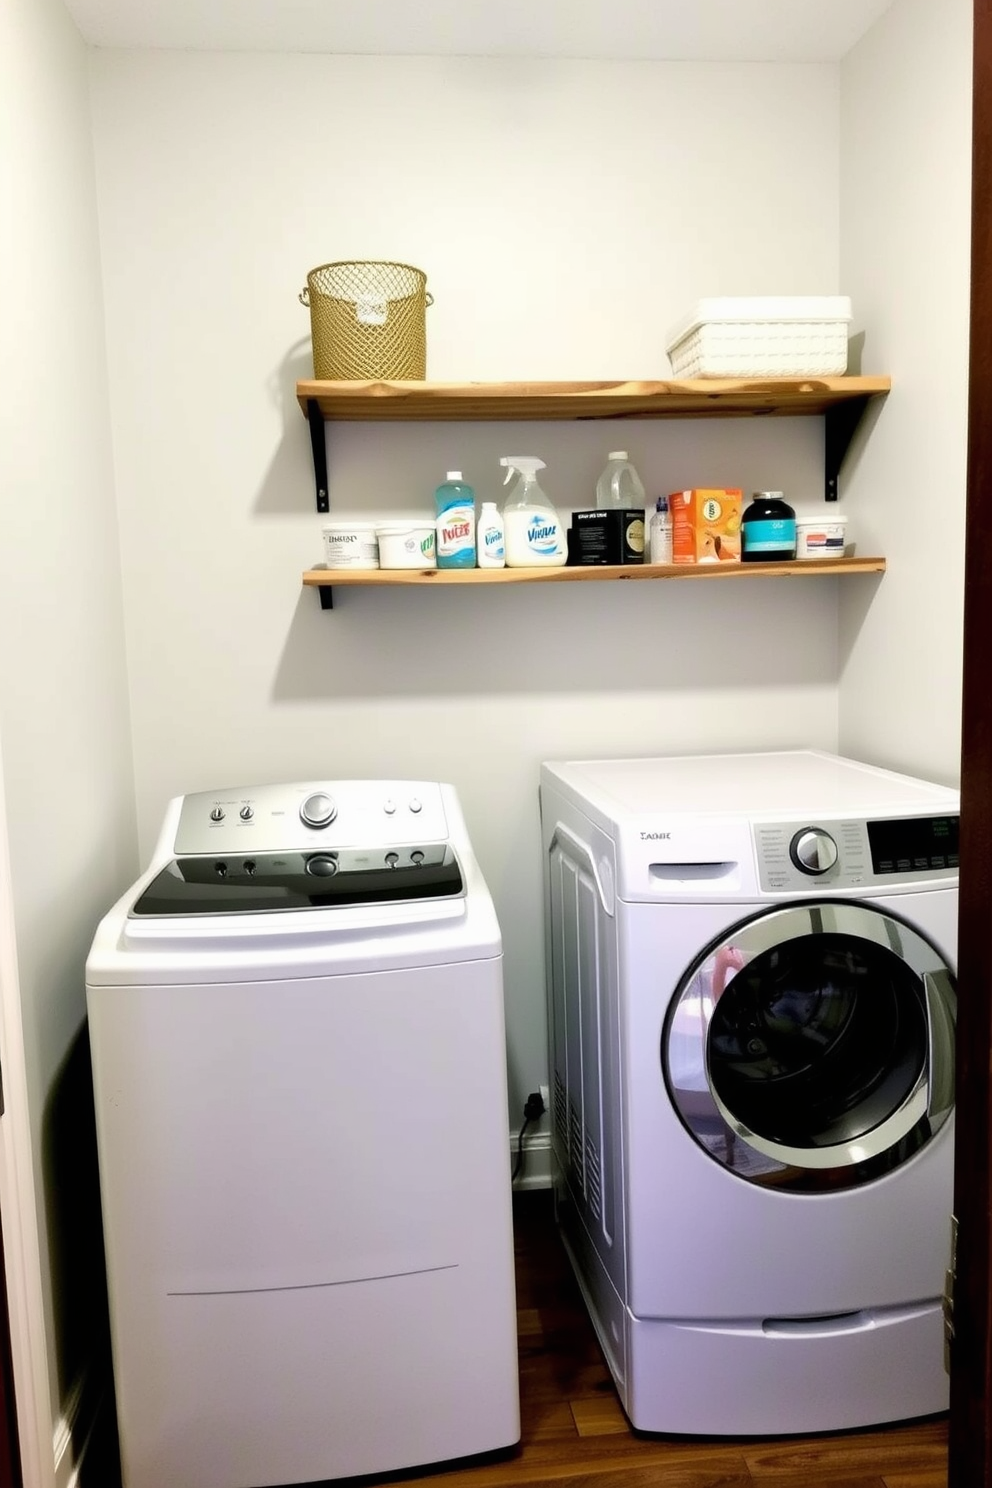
x=454 y=503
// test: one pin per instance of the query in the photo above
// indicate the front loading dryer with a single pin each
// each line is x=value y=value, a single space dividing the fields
x=751 y=993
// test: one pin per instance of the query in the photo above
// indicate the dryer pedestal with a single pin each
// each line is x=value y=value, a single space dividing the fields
x=792 y=1376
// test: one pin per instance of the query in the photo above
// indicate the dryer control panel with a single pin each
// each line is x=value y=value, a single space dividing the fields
x=854 y=854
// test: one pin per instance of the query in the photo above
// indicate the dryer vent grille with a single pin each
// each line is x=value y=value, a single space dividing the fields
x=560 y=1117
x=585 y=1054
x=575 y=1138
x=594 y=1189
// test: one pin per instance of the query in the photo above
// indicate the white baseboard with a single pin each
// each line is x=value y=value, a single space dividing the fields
x=535 y=1170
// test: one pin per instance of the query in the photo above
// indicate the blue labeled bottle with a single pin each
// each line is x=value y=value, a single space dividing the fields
x=768 y=529
x=454 y=503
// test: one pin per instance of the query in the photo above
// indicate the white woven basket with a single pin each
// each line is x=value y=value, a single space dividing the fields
x=765 y=336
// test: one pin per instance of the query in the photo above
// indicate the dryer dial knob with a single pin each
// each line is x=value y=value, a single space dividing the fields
x=318 y=810
x=813 y=851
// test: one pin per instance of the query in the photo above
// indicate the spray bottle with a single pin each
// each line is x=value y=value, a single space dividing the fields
x=535 y=537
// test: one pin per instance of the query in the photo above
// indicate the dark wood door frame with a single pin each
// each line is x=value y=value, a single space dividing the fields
x=970 y=1453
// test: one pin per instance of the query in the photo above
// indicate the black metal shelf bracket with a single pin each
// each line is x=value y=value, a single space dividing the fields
x=840 y=424
x=326 y=597
x=318 y=443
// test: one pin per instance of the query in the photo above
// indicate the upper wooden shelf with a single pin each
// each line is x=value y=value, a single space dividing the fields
x=841 y=400
x=702 y=398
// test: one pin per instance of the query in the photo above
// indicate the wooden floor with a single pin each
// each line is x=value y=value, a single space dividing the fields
x=575 y=1435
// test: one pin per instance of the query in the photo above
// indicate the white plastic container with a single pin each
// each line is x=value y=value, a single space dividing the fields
x=821 y=536
x=350 y=543
x=491 y=537
x=407 y=544
x=762 y=336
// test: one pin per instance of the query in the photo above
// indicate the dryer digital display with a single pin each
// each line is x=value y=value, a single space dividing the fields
x=915 y=845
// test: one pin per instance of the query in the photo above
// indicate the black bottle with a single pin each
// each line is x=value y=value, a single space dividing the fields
x=768 y=529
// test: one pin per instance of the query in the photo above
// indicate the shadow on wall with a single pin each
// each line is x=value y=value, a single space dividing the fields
x=288 y=483
x=680 y=637
x=79 y=1279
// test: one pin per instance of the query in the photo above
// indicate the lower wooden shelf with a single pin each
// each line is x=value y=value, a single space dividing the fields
x=327 y=579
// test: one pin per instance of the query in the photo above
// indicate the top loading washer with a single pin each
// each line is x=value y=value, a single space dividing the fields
x=296 y=1025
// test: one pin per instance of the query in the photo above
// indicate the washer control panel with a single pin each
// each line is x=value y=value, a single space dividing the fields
x=312 y=815
x=855 y=853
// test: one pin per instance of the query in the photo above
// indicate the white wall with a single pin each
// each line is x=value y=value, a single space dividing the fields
x=905 y=240
x=63 y=710
x=566 y=214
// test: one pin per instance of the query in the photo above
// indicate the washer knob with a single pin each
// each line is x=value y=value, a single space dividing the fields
x=318 y=810
x=813 y=851
x=246 y=813
x=217 y=814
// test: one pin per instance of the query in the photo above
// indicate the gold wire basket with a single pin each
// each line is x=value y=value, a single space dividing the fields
x=368 y=321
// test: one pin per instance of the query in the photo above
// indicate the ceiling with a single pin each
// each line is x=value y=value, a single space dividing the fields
x=702 y=30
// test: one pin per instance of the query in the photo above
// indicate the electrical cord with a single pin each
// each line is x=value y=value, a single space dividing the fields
x=534 y=1108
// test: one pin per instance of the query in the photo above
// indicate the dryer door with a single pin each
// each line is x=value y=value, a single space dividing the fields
x=812 y=1047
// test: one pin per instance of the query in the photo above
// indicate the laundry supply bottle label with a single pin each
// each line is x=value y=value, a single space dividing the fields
x=770 y=536
x=456 y=532
x=543 y=534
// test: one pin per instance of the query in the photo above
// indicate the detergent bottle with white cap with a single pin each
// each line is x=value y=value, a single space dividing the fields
x=535 y=537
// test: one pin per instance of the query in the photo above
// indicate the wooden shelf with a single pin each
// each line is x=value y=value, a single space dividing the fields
x=842 y=402
x=327 y=579
x=701 y=398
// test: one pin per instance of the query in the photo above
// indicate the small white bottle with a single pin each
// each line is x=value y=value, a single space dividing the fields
x=660 y=540
x=490 y=537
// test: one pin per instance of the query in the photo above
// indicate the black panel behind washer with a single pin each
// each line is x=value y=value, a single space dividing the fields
x=242 y=884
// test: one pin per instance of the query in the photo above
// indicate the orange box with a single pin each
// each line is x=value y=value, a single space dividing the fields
x=706 y=526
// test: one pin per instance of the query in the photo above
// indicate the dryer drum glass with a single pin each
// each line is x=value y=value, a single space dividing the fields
x=817 y=1041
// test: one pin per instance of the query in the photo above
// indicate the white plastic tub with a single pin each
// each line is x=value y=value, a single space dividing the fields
x=821 y=536
x=350 y=543
x=762 y=336
x=406 y=545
